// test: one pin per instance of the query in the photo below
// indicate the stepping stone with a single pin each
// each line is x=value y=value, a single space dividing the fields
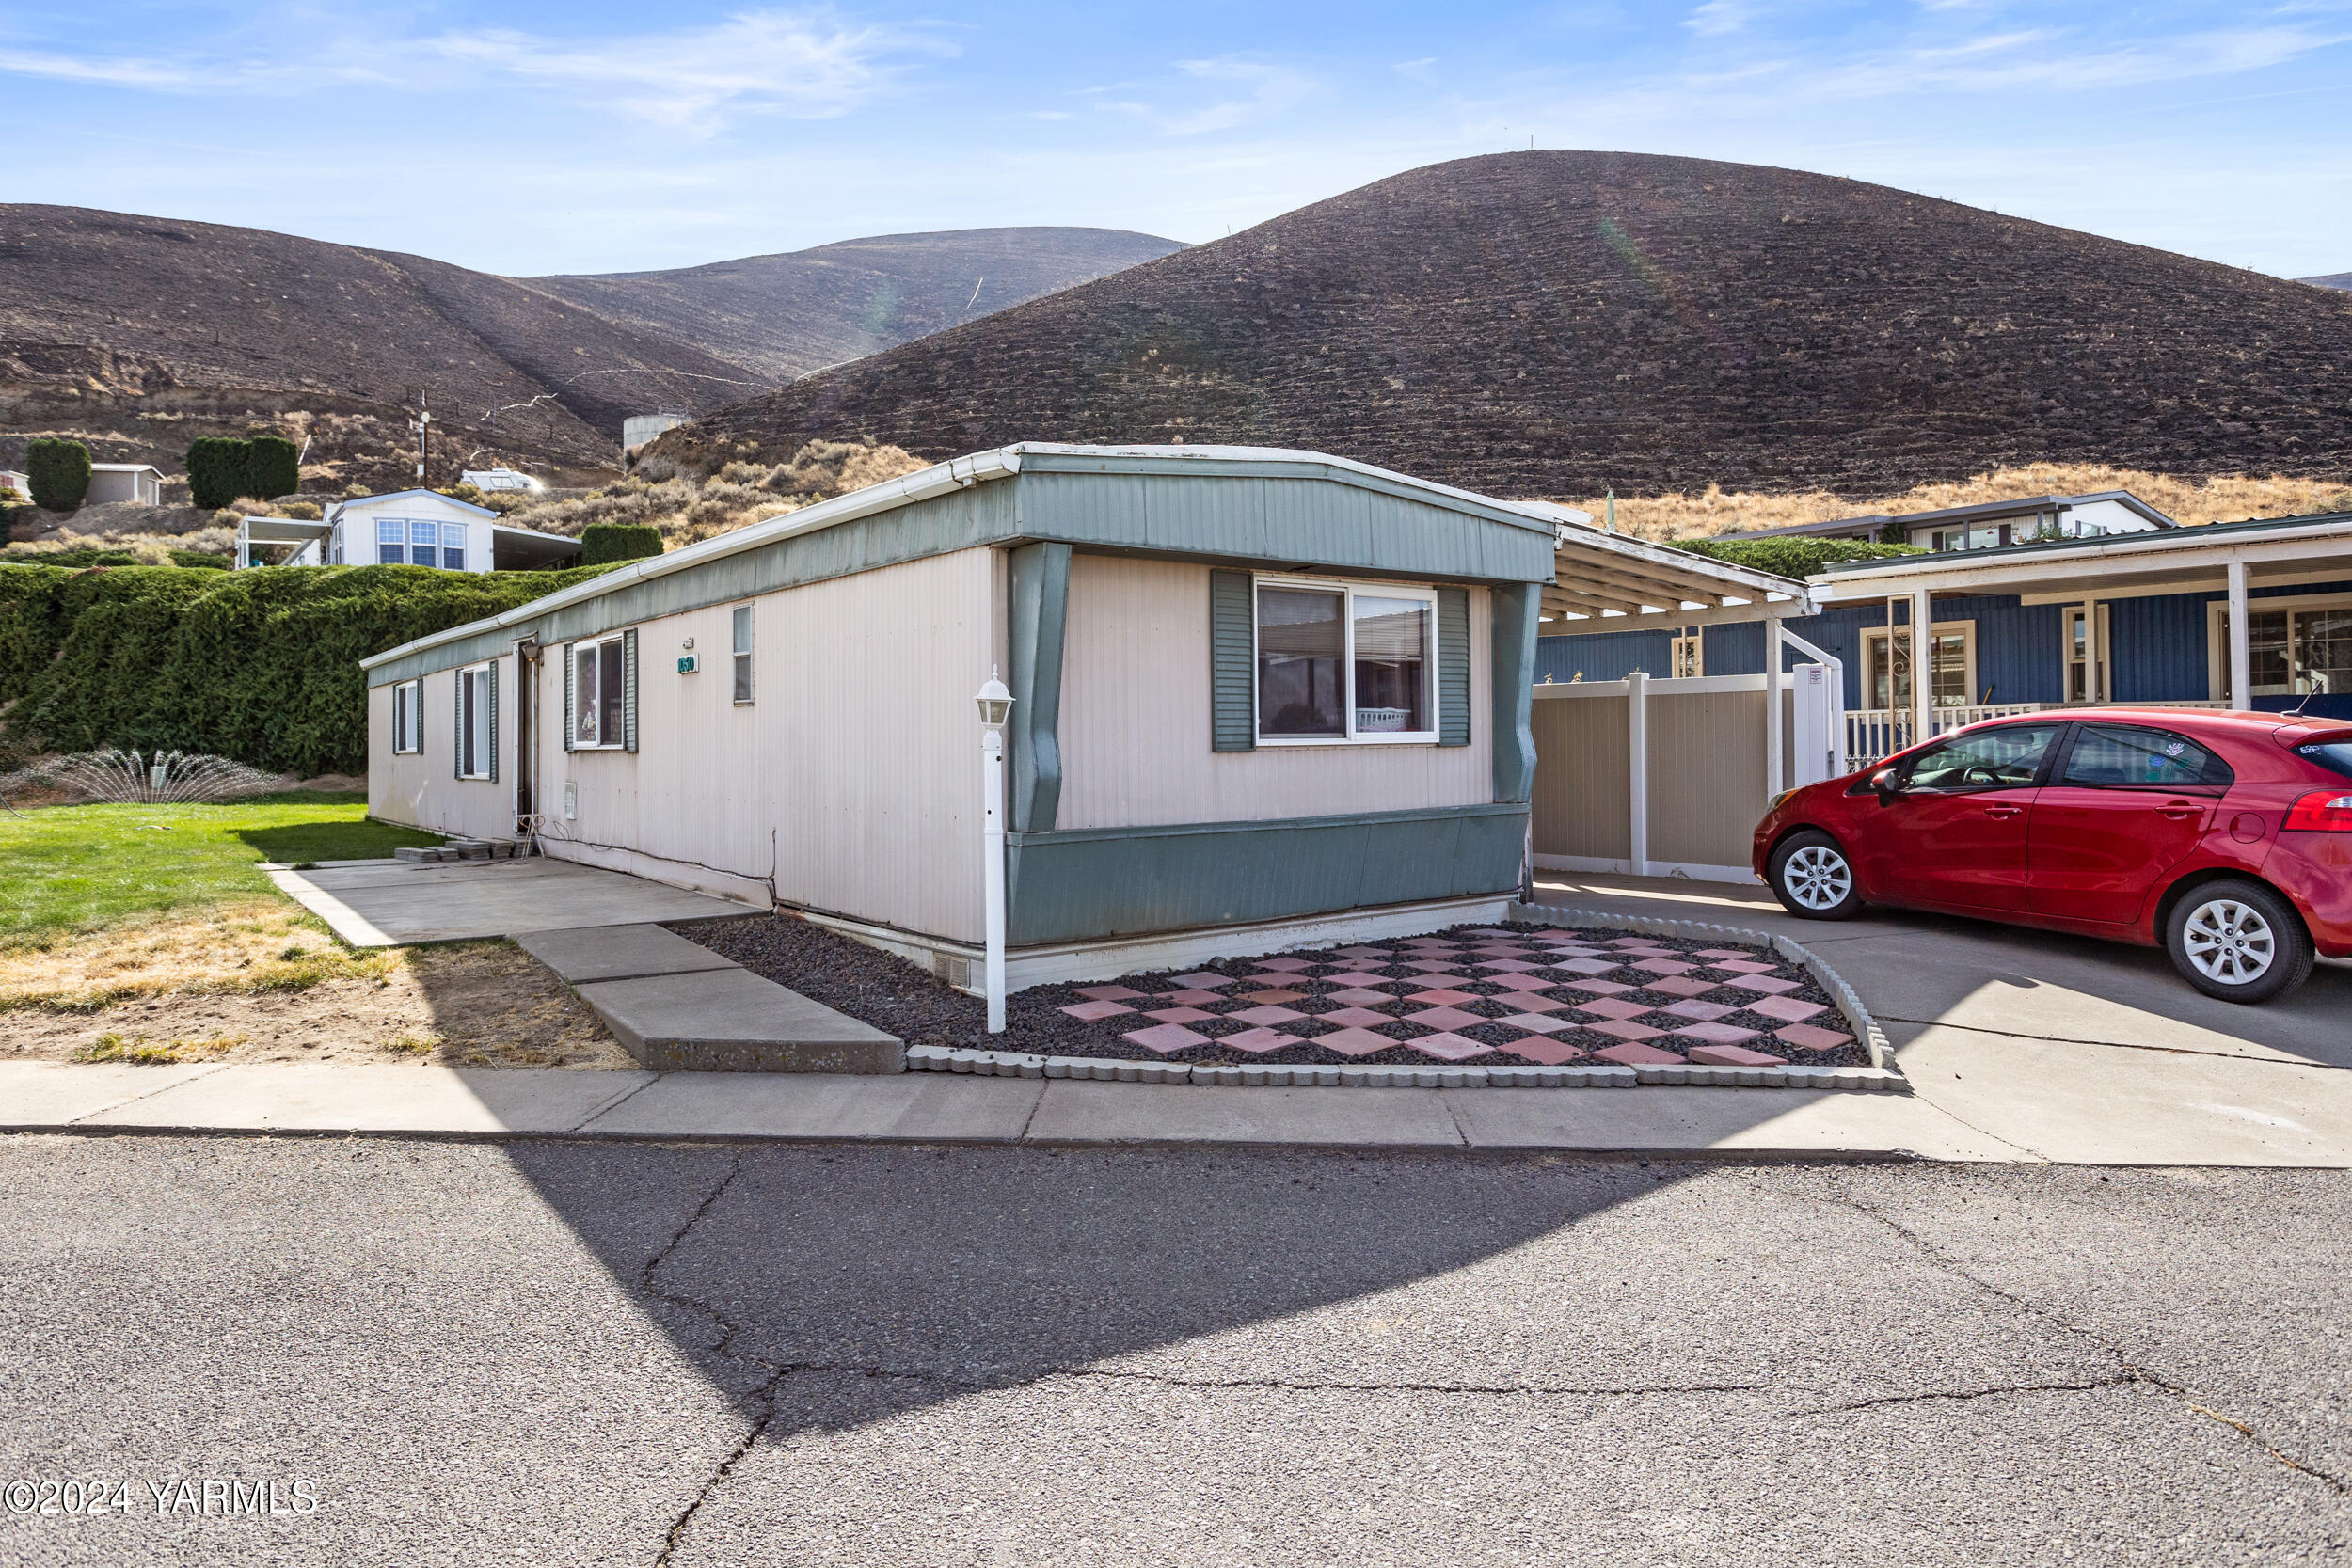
x=1431 y=963
x=1663 y=966
x=1613 y=1007
x=1506 y=964
x=1258 y=1040
x=1585 y=966
x=1786 y=1008
x=1358 y=997
x=1716 y=1034
x=1360 y=953
x=1746 y=965
x=1540 y=1023
x=1442 y=998
x=1265 y=1015
x=1164 y=1037
x=1597 y=987
x=1734 y=1056
x=1804 y=1037
x=1207 y=979
x=1355 y=1042
x=1094 y=1012
x=1286 y=963
x=1680 y=985
x=1528 y=1003
x=1699 y=1012
x=1276 y=996
x=591 y=952
x=1633 y=1054
x=1353 y=1017
x=1773 y=987
x=1173 y=1015
x=1550 y=1052
x=1524 y=982
x=1619 y=1029
x=1192 y=997
x=1721 y=953
x=1449 y=1047
x=1443 y=1018
x=732 y=1021
x=1108 y=993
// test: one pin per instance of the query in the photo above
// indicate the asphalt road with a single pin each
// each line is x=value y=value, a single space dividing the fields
x=549 y=1353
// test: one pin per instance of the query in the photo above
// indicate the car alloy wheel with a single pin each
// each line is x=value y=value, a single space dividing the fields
x=1817 y=876
x=2230 y=942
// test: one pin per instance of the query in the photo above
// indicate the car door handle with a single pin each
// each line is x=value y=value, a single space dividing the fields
x=2181 y=811
x=2003 y=811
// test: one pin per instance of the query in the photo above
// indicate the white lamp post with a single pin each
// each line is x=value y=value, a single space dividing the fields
x=995 y=705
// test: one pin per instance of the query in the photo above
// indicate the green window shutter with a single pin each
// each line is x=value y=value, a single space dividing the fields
x=493 y=721
x=1232 y=653
x=1454 y=667
x=628 y=689
x=458 y=706
x=571 y=711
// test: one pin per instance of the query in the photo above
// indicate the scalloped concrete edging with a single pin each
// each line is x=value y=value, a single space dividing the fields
x=1881 y=1077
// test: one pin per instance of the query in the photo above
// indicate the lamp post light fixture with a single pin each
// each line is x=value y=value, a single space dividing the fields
x=995 y=705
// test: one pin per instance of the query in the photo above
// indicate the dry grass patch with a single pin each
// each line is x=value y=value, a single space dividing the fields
x=2188 y=500
x=252 y=946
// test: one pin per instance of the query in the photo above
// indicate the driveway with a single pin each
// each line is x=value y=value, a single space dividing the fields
x=2068 y=1049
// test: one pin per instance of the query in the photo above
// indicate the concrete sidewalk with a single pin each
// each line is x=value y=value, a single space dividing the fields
x=434 y=1101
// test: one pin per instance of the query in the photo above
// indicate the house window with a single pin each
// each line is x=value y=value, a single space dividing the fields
x=743 y=653
x=2085 y=681
x=408 y=725
x=454 y=546
x=1952 y=648
x=1339 y=663
x=597 y=690
x=473 y=722
x=1689 y=656
x=424 y=544
x=391 y=542
x=2297 y=648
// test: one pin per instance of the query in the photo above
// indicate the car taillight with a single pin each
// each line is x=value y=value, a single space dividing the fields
x=2323 y=811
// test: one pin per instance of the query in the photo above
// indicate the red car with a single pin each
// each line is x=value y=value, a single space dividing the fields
x=2225 y=837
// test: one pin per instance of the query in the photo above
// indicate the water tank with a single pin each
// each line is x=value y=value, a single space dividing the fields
x=639 y=428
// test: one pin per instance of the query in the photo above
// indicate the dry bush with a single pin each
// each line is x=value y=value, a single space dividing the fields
x=686 y=509
x=2187 y=500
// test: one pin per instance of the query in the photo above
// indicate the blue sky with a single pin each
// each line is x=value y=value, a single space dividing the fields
x=527 y=137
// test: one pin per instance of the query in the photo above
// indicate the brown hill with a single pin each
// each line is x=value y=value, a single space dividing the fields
x=2330 y=280
x=142 y=333
x=1555 y=322
x=789 y=314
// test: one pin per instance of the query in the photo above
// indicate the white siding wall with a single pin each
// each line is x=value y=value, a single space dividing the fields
x=853 y=775
x=1135 y=723
x=422 y=787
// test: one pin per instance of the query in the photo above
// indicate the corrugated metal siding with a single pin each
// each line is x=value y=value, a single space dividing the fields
x=2155 y=647
x=1137 y=724
x=1584 y=786
x=1608 y=655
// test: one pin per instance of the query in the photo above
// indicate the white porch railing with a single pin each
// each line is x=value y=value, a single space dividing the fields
x=1875 y=733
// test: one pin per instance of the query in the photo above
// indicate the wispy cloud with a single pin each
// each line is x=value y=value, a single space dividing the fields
x=113 y=72
x=1718 y=17
x=1241 y=91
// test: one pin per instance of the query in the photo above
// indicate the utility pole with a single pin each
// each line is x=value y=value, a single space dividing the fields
x=423 y=427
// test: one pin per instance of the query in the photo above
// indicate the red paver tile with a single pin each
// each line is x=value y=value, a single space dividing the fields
x=1359 y=952
x=1355 y=1018
x=1431 y=963
x=1292 y=963
x=1541 y=1023
x=1753 y=983
x=1722 y=953
x=1449 y=1048
x=1633 y=1054
x=1746 y=965
x=1585 y=966
x=1108 y=993
x=1179 y=1015
x=1207 y=979
x=1444 y=1018
x=1614 y=1006
x=1506 y=964
x=1786 y=1008
x=1680 y=985
x=1662 y=966
x=1550 y=1052
x=1272 y=977
x=1275 y=995
x=1089 y=1012
x=1164 y=1037
x=1597 y=987
x=1442 y=998
x=1355 y=1042
x=1804 y=1037
x=1699 y=1012
x=1256 y=1040
x=1191 y=998
x=1358 y=997
x=1524 y=982
x=1622 y=1030
x=1351 y=977
x=1264 y=1015
x=1734 y=1056
x=1528 y=1003
x=1717 y=1034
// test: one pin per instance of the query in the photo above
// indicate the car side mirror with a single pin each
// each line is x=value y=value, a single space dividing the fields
x=1886 y=783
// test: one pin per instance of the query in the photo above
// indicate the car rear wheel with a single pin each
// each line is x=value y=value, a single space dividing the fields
x=1813 y=879
x=2238 y=941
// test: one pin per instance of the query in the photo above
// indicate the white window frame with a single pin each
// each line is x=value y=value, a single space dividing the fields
x=1878 y=646
x=2070 y=620
x=2217 y=642
x=1348 y=589
x=742 y=669
x=473 y=704
x=593 y=648
x=1691 y=648
x=407 y=733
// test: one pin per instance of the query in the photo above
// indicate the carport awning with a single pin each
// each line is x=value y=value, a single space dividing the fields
x=1606 y=581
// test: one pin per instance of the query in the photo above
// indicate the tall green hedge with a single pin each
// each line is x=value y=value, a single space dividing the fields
x=221 y=468
x=262 y=665
x=1792 y=557
x=600 y=543
x=59 y=473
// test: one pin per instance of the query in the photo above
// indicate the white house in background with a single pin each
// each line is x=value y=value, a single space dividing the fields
x=407 y=528
x=1990 y=525
x=17 y=481
x=124 y=481
x=503 y=479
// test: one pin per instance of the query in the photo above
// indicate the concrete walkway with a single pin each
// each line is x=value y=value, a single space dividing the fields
x=2059 y=1047
x=392 y=903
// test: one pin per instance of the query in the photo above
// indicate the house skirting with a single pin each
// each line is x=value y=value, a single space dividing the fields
x=1603 y=865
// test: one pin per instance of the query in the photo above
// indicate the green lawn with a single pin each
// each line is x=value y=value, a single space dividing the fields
x=69 y=869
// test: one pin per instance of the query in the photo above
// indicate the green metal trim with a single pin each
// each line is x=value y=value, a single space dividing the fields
x=628 y=691
x=1292 y=470
x=1039 y=588
x=1097 y=882
x=1454 y=667
x=1517 y=611
x=1232 y=651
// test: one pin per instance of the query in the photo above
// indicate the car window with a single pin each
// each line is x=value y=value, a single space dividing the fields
x=2000 y=758
x=2334 y=756
x=2110 y=755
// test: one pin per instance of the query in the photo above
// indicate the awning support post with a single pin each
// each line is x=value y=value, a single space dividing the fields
x=1637 y=752
x=1922 y=667
x=1774 y=772
x=2241 y=641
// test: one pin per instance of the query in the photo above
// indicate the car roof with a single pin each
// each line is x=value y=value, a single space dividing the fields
x=2248 y=723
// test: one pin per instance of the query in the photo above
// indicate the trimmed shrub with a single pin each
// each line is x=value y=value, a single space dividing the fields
x=260 y=666
x=603 y=542
x=1797 y=557
x=222 y=469
x=273 y=467
x=59 y=472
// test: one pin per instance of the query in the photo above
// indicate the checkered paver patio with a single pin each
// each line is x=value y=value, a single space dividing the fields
x=1539 y=995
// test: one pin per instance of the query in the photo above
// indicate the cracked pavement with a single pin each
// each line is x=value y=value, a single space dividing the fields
x=558 y=1353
